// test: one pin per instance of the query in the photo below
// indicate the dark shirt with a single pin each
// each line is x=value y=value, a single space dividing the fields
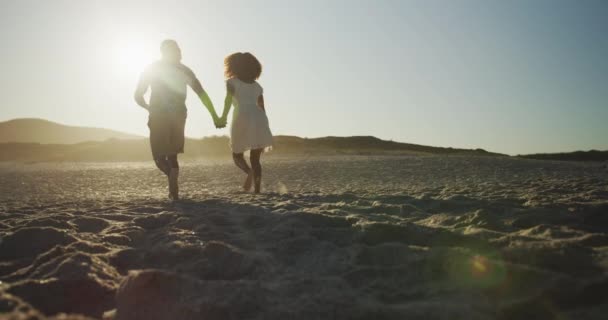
x=168 y=82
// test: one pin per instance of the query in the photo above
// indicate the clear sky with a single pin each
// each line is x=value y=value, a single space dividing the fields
x=507 y=76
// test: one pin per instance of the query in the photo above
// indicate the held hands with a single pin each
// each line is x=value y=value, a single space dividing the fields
x=219 y=122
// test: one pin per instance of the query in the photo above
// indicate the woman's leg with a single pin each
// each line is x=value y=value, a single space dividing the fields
x=162 y=164
x=240 y=162
x=256 y=167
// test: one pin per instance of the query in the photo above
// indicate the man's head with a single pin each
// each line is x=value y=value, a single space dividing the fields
x=170 y=51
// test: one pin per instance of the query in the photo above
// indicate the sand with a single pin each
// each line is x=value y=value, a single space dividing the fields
x=331 y=238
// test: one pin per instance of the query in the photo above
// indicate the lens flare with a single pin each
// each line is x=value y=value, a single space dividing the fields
x=482 y=269
x=479 y=266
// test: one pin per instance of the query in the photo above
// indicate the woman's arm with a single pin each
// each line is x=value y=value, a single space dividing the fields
x=227 y=101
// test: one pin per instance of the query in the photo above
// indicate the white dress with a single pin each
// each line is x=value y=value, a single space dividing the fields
x=249 y=129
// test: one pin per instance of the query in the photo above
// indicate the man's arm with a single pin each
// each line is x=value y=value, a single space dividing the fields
x=202 y=94
x=140 y=91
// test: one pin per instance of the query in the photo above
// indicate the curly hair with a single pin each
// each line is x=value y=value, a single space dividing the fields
x=242 y=65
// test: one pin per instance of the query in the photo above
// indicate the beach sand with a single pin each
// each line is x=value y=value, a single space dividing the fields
x=428 y=237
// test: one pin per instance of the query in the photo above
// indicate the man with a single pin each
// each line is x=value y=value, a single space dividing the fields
x=168 y=79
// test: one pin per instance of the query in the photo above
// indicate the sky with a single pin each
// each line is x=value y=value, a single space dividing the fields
x=507 y=76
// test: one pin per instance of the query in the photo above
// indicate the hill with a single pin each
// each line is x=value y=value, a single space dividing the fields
x=592 y=155
x=47 y=132
x=139 y=150
x=41 y=140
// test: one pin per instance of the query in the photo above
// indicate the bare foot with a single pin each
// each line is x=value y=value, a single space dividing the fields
x=248 y=182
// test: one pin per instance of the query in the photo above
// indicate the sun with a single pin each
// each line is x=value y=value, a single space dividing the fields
x=131 y=57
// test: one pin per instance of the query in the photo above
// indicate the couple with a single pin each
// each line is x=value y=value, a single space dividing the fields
x=168 y=79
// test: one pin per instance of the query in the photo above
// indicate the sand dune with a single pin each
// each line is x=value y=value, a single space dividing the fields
x=44 y=131
x=333 y=238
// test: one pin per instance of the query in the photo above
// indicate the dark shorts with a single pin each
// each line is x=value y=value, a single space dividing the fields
x=167 y=132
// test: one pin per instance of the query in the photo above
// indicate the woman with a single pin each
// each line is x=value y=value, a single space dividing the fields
x=249 y=130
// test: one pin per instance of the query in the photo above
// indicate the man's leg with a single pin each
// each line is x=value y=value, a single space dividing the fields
x=158 y=134
x=176 y=139
x=173 y=176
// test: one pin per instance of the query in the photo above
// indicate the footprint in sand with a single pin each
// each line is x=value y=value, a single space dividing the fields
x=89 y=224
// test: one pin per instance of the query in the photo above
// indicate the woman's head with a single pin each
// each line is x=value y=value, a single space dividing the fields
x=242 y=65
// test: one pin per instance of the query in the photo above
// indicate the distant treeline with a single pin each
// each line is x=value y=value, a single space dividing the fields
x=139 y=150
x=592 y=155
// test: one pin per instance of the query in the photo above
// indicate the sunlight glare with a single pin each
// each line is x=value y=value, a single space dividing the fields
x=132 y=58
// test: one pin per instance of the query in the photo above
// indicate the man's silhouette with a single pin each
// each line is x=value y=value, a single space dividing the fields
x=168 y=78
